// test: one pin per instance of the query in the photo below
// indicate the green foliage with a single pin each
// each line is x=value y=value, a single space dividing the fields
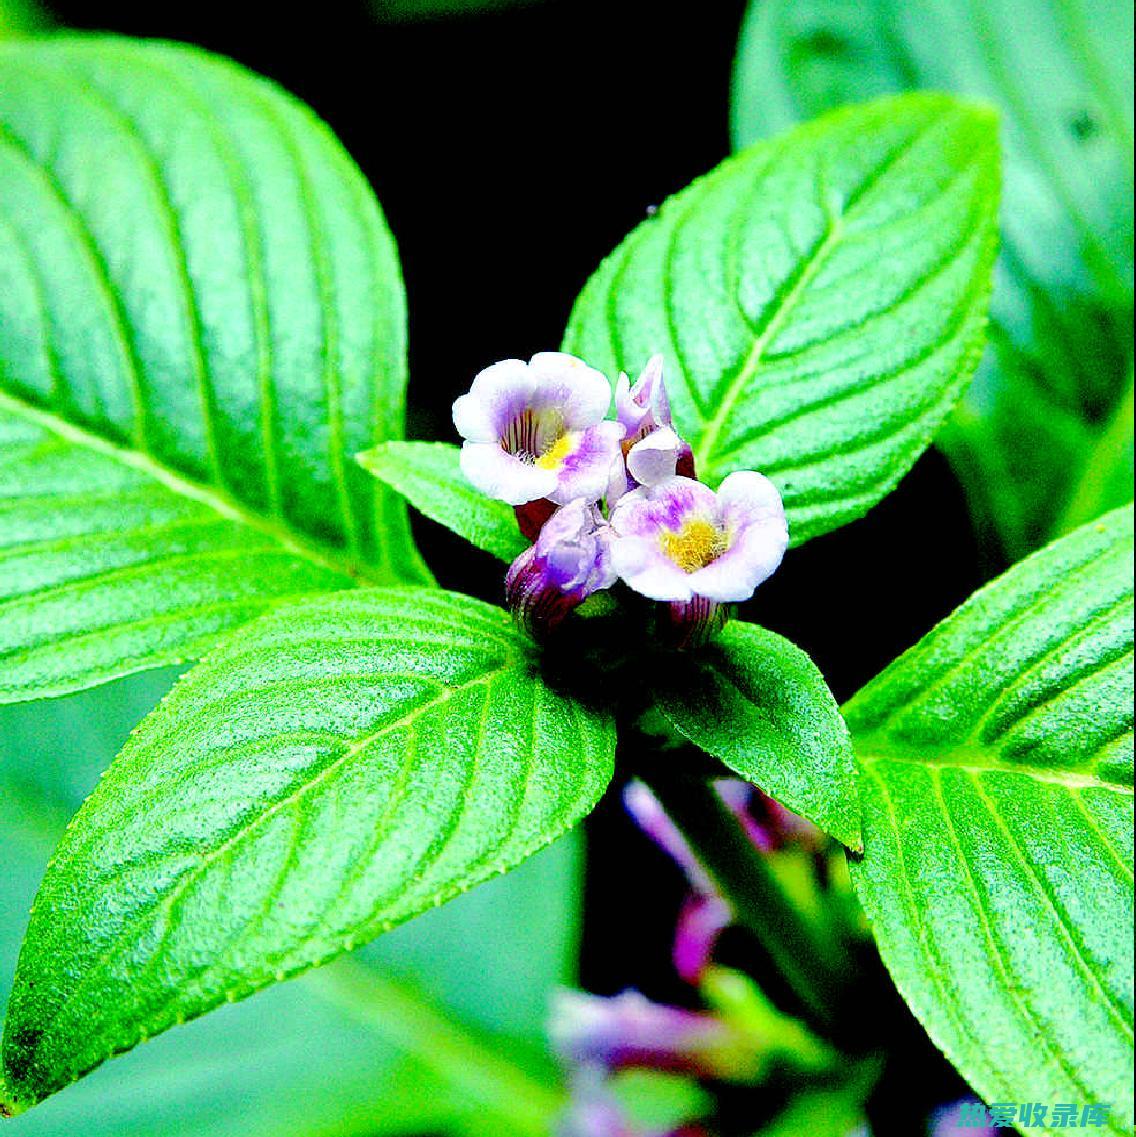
x=758 y=703
x=332 y=770
x=399 y=10
x=820 y=300
x=208 y=331
x=427 y=474
x=394 y=1041
x=996 y=785
x=1060 y=72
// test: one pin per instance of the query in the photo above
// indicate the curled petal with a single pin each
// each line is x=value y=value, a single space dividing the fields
x=654 y=458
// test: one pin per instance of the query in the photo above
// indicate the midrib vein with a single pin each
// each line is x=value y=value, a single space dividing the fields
x=869 y=752
x=709 y=439
x=222 y=504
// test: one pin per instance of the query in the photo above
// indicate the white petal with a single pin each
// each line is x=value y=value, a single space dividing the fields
x=581 y=393
x=757 y=550
x=479 y=414
x=642 y=565
x=751 y=494
x=653 y=459
x=502 y=476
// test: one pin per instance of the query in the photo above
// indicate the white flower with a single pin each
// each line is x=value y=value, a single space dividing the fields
x=680 y=541
x=536 y=430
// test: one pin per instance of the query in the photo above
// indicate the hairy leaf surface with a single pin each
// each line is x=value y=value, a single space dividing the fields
x=334 y=769
x=1060 y=72
x=429 y=476
x=758 y=703
x=996 y=783
x=201 y=314
x=394 y=1040
x=820 y=300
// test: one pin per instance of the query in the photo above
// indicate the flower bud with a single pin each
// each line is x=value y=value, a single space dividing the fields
x=570 y=560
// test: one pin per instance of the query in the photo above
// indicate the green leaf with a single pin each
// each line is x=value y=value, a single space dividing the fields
x=332 y=770
x=820 y=300
x=394 y=11
x=207 y=331
x=393 y=1041
x=1060 y=72
x=1106 y=479
x=758 y=703
x=996 y=787
x=427 y=474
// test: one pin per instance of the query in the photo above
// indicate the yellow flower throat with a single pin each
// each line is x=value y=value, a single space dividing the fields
x=556 y=453
x=695 y=545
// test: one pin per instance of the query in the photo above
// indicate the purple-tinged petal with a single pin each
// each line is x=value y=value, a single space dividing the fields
x=647 y=812
x=570 y=560
x=582 y=393
x=722 y=545
x=629 y=1030
x=583 y=470
x=701 y=921
x=643 y=407
x=547 y=418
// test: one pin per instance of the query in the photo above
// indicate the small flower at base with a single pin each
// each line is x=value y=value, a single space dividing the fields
x=537 y=430
x=570 y=560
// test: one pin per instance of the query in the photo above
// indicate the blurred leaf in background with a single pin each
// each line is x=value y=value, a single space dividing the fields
x=437 y=1028
x=1046 y=430
x=21 y=17
x=393 y=11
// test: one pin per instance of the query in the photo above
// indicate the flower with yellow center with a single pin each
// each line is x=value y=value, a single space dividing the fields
x=537 y=430
x=680 y=541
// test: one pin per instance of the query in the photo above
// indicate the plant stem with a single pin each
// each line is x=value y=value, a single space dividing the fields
x=808 y=959
x=500 y=1088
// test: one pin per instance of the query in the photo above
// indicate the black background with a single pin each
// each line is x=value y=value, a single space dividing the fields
x=511 y=151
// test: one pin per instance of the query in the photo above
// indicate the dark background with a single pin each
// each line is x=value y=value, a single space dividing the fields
x=511 y=151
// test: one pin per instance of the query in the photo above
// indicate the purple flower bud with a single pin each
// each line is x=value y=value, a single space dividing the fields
x=570 y=560
x=537 y=430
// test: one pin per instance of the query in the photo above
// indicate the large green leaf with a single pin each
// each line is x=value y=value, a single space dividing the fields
x=1060 y=72
x=330 y=771
x=201 y=317
x=996 y=787
x=395 y=1041
x=429 y=476
x=758 y=703
x=820 y=300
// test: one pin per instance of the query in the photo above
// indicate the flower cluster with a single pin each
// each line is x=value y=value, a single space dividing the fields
x=612 y=499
